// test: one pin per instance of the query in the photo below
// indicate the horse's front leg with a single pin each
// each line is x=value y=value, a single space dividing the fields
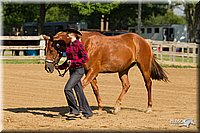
x=91 y=78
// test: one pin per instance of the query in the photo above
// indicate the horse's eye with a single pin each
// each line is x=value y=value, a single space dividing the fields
x=58 y=45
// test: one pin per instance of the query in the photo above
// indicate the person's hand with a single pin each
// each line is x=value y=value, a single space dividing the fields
x=68 y=62
x=57 y=67
x=64 y=65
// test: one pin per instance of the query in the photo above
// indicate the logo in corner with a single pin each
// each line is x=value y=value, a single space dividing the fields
x=188 y=122
x=182 y=122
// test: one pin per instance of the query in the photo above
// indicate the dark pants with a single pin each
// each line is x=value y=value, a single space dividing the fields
x=75 y=82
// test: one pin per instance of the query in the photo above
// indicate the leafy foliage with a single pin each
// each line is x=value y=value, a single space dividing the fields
x=121 y=16
x=57 y=13
x=14 y=15
x=168 y=18
x=19 y=13
x=127 y=14
x=89 y=8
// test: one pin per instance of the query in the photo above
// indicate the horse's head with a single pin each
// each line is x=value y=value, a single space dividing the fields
x=55 y=45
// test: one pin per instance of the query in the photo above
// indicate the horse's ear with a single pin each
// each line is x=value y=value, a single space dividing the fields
x=44 y=37
x=51 y=36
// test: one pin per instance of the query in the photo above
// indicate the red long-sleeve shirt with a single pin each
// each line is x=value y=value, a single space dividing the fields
x=76 y=53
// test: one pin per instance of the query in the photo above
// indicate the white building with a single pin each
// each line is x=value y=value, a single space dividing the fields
x=174 y=32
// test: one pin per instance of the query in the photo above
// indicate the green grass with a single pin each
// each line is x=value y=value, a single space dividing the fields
x=177 y=66
x=23 y=61
x=35 y=61
x=177 y=59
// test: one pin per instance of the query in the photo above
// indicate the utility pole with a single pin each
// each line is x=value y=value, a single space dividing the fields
x=139 y=16
x=102 y=23
x=107 y=23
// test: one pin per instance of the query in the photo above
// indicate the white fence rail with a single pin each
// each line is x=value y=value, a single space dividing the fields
x=171 y=53
x=13 y=47
x=176 y=53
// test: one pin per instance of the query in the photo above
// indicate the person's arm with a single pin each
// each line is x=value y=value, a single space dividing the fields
x=64 y=65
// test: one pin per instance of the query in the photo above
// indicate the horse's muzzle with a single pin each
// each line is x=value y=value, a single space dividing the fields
x=49 y=67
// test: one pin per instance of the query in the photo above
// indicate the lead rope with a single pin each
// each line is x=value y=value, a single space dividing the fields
x=63 y=74
x=66 y=69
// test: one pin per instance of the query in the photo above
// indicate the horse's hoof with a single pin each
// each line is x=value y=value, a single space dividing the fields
x=99 y=112
x=149 y=110
x=116 y=110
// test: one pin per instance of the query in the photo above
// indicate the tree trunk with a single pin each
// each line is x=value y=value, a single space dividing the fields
x=139 y=17
x=197 y=16
x=189 y=11
x=197 y=23
x=41 y=19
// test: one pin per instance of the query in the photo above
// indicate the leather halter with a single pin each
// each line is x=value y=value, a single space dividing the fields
x=56 y=63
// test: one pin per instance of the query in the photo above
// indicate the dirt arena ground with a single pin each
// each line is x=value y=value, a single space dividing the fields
x=34 y=100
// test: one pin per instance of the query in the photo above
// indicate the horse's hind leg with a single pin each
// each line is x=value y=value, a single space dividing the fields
x=145 y=70
x=125 y=86
x=96 y=92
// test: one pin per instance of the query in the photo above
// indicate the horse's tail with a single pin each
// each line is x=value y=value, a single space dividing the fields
x=157 y=72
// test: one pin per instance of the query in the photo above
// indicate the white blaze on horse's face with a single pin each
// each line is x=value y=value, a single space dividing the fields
x=51 y=54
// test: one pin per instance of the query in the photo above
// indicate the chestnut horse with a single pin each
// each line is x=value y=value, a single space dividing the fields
x=111 y=54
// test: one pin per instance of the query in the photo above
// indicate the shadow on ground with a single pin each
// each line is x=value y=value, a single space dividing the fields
x=61 y=111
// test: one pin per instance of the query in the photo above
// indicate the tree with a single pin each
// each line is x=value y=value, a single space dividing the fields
x=168 y=18
x=126 y=15
x=15 y=15
x=190 y=13
x=197 y=16
x=102 y=8
x=58 y=13
x=197 y=23
x=42 y=14
x=119 y=16
x=123 y=16
x=41 y=19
